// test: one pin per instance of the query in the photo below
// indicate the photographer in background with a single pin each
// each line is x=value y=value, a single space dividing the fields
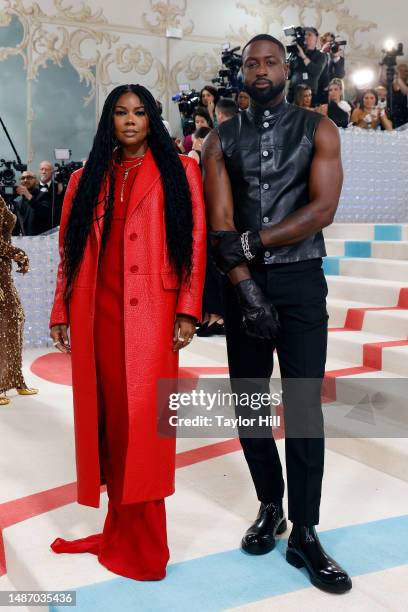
x=400 y=96
x=308 y=66
x=24 y=204
x=50 y=198
x=335 y=54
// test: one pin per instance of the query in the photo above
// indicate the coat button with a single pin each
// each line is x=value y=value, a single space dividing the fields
x=133 y=236
x=134 y=302
x=267 y=253
x=265 y=153
x=134 y=269
x=265 y=219
x=266 y=124
x=265 y=186
x=267 y=113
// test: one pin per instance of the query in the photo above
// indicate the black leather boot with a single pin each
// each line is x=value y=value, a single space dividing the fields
x=260 y=537
x=304 y=550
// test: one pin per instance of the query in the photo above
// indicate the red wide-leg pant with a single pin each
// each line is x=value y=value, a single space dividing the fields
x=134 y=539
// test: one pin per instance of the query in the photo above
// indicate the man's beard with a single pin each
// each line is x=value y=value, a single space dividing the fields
x=263 y=96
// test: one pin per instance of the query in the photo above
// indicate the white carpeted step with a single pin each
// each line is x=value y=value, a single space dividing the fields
x=338 y=309
x=350 y=231
x=395 y=359
x=388 y=455
x=383 y=269
x=361 y=231
x=336 y=247
x=373 y=292
x=394 y=322
x=348 y=345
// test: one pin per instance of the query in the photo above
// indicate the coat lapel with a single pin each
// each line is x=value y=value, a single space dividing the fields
x=147 y=177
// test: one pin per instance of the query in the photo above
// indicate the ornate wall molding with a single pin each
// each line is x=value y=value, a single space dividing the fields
x=168 y=15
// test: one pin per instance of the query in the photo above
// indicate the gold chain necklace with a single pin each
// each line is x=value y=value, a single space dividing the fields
x=126 y=174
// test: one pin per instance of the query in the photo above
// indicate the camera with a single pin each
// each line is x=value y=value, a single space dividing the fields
x=63 y=171
x=298 y=33
x=390 y=56
x=187 y=102
x=8 y=177
x=336 y=44
x=227 y=79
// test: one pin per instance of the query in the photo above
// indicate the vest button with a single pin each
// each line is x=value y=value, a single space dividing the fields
x=267 y=253
x=134 y=302
x=265 y=219
x=133 y=236
x=134 y=269
x=265 y=186
x=266 y=124
x=267 y=113
x=265 y=153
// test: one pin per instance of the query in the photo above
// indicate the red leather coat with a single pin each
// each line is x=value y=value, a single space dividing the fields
x=152 y=296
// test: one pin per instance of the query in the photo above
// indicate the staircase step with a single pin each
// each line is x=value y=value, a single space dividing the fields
x=349 y=346
x=338 y=310
x=395 y=359
x=337 y=247
x=367 y=231
x=382 y=269
x=360 y=289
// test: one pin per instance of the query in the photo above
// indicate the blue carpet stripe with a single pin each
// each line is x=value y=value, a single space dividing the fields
x=331 y=266
x=230 y=579
x=357 y=248
x=388 y=232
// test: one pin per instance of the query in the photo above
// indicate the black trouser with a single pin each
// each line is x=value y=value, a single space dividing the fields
x=298 y=291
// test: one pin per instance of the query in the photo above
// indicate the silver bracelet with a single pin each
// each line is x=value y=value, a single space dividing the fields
x=245 y=246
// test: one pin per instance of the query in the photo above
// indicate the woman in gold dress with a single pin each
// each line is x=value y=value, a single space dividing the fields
x=11 y=311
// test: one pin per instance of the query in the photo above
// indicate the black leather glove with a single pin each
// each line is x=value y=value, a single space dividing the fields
x=228 y=250
x=259 y=316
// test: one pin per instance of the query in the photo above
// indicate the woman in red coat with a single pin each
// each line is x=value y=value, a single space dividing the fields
x=129 y=287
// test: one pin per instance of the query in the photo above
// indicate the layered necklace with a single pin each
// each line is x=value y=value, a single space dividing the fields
x=126 y=173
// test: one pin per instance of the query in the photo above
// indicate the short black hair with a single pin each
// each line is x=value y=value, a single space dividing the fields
x=227 y=106
x=202 y=132
x=270 y=39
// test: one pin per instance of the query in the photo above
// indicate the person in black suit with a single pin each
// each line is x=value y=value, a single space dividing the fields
x=50 y=198
x=23 y=204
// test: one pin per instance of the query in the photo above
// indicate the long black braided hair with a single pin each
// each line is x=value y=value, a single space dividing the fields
x=99 y=172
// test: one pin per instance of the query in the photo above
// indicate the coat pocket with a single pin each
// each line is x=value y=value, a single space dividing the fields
x=170 y=280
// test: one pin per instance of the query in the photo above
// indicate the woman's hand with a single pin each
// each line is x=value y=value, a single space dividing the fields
x=59 y=335
x=184 y=330
x=211 y=108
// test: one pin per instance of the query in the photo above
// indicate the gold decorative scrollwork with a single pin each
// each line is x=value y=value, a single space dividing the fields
x=168 y=15
x=195 y=66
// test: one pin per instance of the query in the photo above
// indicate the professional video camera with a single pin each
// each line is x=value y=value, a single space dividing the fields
x=187 y=102
x=389 y=60
x=227 y=79
x=63 y=171
x=298 y=33
x=8 y=178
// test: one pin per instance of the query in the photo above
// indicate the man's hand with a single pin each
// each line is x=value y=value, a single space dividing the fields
x=259 y=316
x=301 y=52
x=228 y=248
x=22 y=190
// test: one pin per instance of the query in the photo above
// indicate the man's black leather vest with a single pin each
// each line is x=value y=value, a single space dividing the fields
x=268 y=154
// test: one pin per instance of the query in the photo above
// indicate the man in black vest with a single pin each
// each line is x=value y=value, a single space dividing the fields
x=273 y=178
